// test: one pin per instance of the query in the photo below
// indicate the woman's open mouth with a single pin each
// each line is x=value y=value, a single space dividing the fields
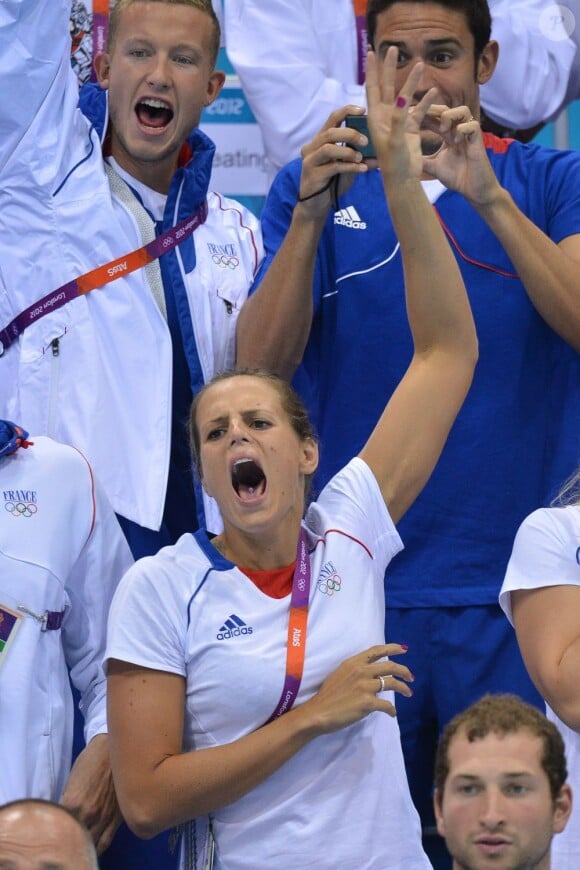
x=248 y=479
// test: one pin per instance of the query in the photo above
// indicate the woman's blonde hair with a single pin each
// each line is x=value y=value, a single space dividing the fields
x=570 y=492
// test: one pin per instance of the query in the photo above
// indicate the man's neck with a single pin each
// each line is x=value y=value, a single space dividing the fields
x=154 y=174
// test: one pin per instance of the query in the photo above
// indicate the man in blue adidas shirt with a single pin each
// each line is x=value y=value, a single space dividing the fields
x=512 y=214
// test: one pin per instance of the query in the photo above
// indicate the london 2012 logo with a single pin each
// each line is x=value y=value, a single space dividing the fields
x=20 y=502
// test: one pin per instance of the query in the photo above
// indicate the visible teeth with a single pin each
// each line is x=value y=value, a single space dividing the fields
x=155 y=104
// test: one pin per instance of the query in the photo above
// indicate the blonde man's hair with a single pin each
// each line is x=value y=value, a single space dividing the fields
x=202 y=5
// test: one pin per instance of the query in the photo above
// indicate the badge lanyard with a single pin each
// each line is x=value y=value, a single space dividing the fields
x=296 y=647
x=361 y=38
x=100 y=30
x=102 y=275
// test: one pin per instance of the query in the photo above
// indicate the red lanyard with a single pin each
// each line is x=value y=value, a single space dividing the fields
x=296 y=646
x=102 y=275
x=361 y=38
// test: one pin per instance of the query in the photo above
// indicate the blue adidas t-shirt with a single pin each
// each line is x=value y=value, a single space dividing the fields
x=518 y=434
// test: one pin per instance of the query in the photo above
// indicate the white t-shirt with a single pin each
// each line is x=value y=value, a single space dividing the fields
x=547 y=553
x=343 y=800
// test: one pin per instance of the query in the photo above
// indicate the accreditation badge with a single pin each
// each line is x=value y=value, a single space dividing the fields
x=10 y=622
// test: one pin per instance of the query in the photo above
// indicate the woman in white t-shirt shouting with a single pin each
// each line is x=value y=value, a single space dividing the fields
x=249 y=684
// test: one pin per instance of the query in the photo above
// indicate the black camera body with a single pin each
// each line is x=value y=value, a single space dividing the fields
x=361 y=123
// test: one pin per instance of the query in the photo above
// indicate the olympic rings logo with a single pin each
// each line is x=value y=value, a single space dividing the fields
x=226 y=262
x=21 y=508
x=330 y=585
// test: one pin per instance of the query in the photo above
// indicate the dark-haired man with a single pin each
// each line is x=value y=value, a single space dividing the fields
x=512 y=214
x=500 y=786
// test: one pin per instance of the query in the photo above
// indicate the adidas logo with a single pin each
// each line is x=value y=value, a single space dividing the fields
x=233 y=627
x=349 y=217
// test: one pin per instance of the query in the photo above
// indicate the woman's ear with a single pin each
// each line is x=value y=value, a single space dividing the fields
x=309 y=462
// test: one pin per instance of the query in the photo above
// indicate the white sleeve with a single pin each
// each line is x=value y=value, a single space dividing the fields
x=545 y=553
x=149 y=616
x=353 y=498
x=535 y=56
x=34 y=68
x=278 y=52
x=90 y=588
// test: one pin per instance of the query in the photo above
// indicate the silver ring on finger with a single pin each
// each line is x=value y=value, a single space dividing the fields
x=382 y=682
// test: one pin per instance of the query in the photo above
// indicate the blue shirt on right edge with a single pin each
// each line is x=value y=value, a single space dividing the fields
x=517 y=436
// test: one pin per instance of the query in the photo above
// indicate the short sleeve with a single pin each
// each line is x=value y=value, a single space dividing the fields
x=545 y=553
x=148 y=619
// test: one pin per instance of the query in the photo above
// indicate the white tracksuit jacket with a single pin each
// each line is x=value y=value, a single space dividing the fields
x=98 y=372
x=61 y=549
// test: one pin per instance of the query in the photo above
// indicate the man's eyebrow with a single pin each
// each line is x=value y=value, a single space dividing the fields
x=148 y=43
x=430 y=43
x=186 y=46
x=518 y=774
x=466 y=777
x=511 y=774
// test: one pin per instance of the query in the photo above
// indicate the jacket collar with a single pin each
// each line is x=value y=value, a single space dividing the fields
x=191 y=180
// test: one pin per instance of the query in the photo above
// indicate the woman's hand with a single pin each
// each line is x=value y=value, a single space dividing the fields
x=395 y=123
x=356 y=689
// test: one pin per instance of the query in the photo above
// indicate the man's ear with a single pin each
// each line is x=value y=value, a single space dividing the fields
x=215 y=83
x=562 y=808
x=487 y=62
x=102 y=67
x=437 y=798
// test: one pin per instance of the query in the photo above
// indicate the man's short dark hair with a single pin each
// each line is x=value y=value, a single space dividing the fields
x=476 y=13
x=501 y=715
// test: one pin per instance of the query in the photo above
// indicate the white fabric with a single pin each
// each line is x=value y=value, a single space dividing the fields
x=65 y=551
x=297 y=63
x=111 y=381
x=343 y=800
x=538 y=70
x=153 y=201
x=547 y=553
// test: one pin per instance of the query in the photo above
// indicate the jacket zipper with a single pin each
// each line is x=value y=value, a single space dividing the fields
x=53 y=394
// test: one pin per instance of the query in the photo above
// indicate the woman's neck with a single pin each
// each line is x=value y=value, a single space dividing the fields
x=256 y=552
